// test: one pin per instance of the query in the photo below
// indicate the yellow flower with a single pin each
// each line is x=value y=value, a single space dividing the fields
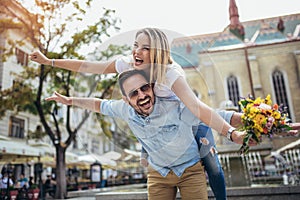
x=251 y=115
x=254 y=110
x=259 y=118
x=276 y=115
x=257 y=100
x=268 y=100
x=243 y=116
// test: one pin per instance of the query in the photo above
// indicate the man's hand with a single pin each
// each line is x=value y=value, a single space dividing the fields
x=295 y=128
x=59 y=98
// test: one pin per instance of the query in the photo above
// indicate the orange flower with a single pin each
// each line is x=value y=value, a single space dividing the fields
x=266 y=130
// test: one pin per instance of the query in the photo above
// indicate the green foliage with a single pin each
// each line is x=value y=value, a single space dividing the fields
x=37 y=134
x=46 y=29
x=17 y=98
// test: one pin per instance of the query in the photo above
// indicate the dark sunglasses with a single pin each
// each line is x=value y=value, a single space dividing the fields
x=143 y=88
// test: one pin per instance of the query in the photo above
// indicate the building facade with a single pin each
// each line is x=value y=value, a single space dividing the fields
x=15 y=146
x=258 y=57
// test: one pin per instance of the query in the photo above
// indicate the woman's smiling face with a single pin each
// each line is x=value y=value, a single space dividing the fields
x=141 y=52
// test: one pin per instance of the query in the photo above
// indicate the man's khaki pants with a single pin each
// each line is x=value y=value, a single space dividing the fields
x=192 y=184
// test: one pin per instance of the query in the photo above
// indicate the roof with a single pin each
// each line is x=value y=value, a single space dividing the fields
x=185 y=50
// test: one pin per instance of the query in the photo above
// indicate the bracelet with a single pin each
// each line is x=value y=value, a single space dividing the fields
x=229 y=133
x=52 y=62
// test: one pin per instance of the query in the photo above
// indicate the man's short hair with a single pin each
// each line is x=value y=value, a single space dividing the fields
x=127 y=74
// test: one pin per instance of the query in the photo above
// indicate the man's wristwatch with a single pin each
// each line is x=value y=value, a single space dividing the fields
x=229 y=133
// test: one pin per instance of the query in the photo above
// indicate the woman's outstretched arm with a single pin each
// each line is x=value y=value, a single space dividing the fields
x=104 y=67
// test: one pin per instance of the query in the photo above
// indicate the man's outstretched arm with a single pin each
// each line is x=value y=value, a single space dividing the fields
x=92 y=104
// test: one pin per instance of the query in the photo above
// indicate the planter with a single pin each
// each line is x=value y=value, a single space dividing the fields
x=13 y=194
x=33 y=194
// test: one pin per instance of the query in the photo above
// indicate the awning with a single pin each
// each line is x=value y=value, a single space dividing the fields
x=92 y=158
x=131 y=152
x=14 y=151
x=49 y=157
x=112 y=155
x=19 y=148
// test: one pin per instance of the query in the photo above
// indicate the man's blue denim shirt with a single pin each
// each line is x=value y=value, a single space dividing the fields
x=166 y=134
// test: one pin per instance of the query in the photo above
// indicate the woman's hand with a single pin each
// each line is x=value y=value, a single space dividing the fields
x=38 y=57
x=238 y=137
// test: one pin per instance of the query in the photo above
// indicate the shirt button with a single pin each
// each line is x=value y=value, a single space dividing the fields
x=147 y=120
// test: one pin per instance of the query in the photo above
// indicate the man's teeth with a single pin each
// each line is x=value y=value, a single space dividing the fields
x=143 y=101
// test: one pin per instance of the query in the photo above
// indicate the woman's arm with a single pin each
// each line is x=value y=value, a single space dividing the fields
x=75 y=65
x=198 y=108
x=204 y=112
x=92 y=104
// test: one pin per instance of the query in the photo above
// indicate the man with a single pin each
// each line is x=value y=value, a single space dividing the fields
x=164 y=127
x=23 y=181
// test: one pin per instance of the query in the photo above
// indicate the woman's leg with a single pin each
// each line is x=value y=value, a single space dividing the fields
x=215 y=174
x=210 y=160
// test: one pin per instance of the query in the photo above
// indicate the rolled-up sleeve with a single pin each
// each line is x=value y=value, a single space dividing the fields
x=114 y=108
x=226 y=115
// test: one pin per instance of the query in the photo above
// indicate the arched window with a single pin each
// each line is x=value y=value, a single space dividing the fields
x=233 y=90
x=280 y=90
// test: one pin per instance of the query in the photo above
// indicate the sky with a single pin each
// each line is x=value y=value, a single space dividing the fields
x=193 y=17
x=183 y=18
x=189 y=17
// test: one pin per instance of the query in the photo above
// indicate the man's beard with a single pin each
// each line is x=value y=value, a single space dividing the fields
x=138 y=108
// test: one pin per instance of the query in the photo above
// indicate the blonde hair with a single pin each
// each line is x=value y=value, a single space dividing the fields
x=160 y=55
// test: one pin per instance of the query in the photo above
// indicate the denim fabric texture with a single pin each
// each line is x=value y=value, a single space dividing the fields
x=166 y=134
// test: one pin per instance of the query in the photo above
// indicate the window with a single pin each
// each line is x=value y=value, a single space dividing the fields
x=233 y=90
x=22 y=57
x=280 y=90
x=16 y=127
x=95 y=146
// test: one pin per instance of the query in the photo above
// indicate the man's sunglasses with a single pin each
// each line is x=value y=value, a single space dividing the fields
x=143 y=88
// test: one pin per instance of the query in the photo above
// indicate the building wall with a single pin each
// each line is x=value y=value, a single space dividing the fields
x=215 y=67
x=89 y=132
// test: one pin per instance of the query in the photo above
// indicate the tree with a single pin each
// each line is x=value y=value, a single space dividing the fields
x=45 y=29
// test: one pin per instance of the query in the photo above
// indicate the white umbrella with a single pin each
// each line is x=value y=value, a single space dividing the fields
x=92 y=158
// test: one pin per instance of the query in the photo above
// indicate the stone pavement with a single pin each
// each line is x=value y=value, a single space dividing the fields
x=268 y=192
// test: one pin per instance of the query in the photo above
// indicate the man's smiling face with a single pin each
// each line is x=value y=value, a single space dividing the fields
x=139 y=94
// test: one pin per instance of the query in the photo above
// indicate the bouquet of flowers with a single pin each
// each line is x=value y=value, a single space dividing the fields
x=259 y=118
